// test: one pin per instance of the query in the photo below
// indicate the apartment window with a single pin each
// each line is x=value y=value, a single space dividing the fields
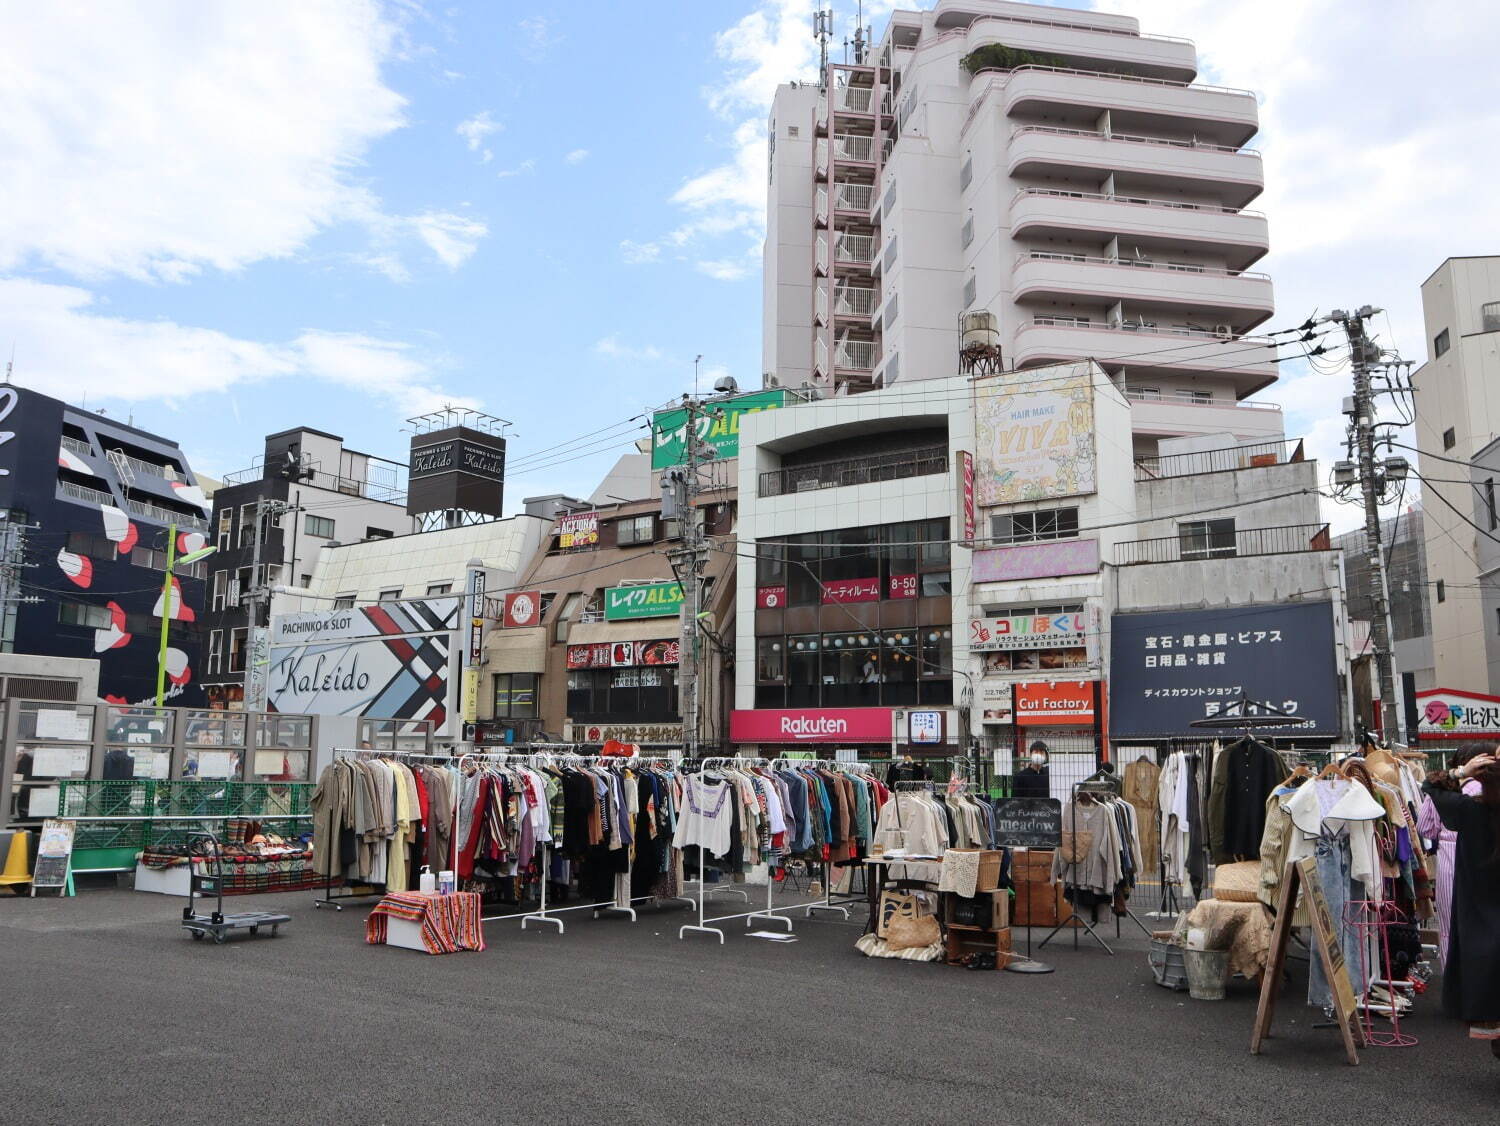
x=967 y=234
x=1450 y=438
x=890 y=313
x=1207 y=539
x=215 y=651
x=343 y=602
x=226 y=528
x=1190 y=395
x=515 y=695
x=889 y=259
x=318 y=526
x=304 y=581
x=970 y=289
x=635 y=530
x=247 y=530
x=888 y=204
x=82 y=614
x=376 y=534
x=1497 y=619
x=1440 y=344
x=221 y=588
x=237 y=642
x=794 y=131
x=966 y=173
x=1034 y=527
x=391 y=595
x=1489 y=317
x=565 y=616
x=1442 y=591
x=1489 y=502
x=435 y=589
x=1144 y=394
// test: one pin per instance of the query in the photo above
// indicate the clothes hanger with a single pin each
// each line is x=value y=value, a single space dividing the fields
x=1332 y=770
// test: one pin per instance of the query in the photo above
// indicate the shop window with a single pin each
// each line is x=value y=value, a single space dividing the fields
x=343 y=602
x=770 y=660
x=635 y=530
x=802 y=671
x=937 y=652
x=515 y=695
x=770 y=564
x=1035 y=527
x=803 y=581
x=1207 y=539
x=435 y=589
x=936 y=551
x=850 y=554
x=82 y=614
x=851 y=670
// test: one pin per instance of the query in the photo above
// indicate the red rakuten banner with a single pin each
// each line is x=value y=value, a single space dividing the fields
x=811 y=725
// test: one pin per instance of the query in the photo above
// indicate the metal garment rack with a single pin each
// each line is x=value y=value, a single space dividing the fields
x=329 y=899
x=537 y=760
x=769 y=914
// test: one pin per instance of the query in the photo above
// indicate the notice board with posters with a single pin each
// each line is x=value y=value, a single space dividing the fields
x=1170 y=668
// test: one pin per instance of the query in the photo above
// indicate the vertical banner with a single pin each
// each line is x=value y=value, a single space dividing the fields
x=258 y=667
x=966 y=494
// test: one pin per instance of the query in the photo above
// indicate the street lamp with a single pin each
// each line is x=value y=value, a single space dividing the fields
x=167 y=605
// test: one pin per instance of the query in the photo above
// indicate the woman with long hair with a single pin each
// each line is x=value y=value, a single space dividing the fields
x=1431 y=826
x=1471 y=976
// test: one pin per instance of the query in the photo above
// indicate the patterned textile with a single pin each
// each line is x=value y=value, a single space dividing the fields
x=960 y=873
x=450 y=923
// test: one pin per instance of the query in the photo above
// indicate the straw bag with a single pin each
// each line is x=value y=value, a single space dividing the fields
x=900 y=924
x=1237 y=883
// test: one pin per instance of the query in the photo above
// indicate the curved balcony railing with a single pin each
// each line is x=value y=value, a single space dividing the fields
x=1133 y=138
x=1143 y=201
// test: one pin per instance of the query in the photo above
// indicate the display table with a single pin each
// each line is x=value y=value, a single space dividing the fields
x=427 y=921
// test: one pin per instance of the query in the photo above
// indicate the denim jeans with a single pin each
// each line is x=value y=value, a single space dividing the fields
x=1334 y=866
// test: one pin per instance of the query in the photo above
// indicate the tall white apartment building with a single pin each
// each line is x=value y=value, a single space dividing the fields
x=1458 y=416
x=1057 y=168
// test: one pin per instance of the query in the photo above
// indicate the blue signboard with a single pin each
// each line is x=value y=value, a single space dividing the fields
x=1168 y=669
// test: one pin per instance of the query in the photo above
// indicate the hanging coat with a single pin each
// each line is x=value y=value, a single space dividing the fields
x=1471 y=978
x=1243 y=777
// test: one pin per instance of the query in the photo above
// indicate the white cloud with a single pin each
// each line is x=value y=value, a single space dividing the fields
x=637 y=252
x=152 y=146
x=537 y=37
x=453 y=238
x=525 y=167
x=475 y=129
x=67 y=347
x=577 y=156
x=723 y=269
x=610 y=346
x=1373 y=175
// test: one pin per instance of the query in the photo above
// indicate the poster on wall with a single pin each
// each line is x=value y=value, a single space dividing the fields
x=1168 y=669
x=1034 y=433
x=389 y=661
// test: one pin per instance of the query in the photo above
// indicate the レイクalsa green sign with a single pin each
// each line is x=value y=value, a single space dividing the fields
x=648 y=600
x=718 y=426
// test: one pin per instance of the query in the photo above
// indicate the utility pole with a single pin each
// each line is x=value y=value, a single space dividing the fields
x=12 y=561
x=257 y=602
x=680 y=488
x=1364 y=355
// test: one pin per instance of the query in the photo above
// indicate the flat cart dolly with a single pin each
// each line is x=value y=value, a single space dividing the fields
x=218 y=925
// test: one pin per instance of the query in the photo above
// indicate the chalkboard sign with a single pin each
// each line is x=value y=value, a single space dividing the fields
x=54 y=854
x=1028 y=822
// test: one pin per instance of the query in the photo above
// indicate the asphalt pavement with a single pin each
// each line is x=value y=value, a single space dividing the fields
x=112 y=1014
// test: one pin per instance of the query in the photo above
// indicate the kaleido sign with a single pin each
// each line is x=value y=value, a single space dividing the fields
x=811 y=725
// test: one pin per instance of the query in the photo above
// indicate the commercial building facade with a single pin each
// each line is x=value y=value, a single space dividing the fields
x=88 y=504
x=307 y=492
x=1457 y=395
x=1055 y=168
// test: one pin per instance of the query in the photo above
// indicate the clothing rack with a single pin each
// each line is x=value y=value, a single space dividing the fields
x=329 y=899
x=536 y=760
x=856 y=766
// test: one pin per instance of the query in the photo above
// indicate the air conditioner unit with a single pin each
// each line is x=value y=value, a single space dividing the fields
x=1223 y=330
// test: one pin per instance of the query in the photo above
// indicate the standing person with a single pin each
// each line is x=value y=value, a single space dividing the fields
x=1032 y=781
x=1431 y=826
x=1471 y=978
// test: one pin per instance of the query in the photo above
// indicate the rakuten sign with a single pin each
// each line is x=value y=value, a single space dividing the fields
x=812 y=725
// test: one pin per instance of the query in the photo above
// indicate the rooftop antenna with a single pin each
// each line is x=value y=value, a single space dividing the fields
x=823 y=32
x=859 y=35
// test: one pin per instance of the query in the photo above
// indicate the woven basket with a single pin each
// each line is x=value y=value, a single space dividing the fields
x=1237 y=883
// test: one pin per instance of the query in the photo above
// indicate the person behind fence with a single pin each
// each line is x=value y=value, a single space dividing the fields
x=1032 y=780
x=1471 y=976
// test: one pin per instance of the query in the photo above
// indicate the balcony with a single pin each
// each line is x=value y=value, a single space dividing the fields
x=1212 y=113
x=136 y=466
x=1233 y=173
x=1182 y=548
x=77 y=446
x=389 y=491
x=855 y=355
x=1240 y=236
x=853 y=99
x=849 y=148
x=69 y=491
x=854 y=250
x=1249 y=362
x=854 y=197
x=1176 y=418
x=1255 y=455
x=854 y=471
x=820 y=158
x=165 y=515
x=1156 y=56
x=854 y=301
x=1238 y=299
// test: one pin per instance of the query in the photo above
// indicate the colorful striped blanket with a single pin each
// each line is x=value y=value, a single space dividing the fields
x=450 y=923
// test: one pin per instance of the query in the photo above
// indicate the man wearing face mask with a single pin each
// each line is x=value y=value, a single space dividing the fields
x=1032 y=781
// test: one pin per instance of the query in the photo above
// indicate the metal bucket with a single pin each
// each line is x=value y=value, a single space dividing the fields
x=1207 y=972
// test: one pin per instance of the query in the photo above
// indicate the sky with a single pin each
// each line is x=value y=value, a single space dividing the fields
x=221 y=219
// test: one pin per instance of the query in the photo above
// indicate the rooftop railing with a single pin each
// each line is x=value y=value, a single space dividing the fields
x=1195 y=545
x=854 y=471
